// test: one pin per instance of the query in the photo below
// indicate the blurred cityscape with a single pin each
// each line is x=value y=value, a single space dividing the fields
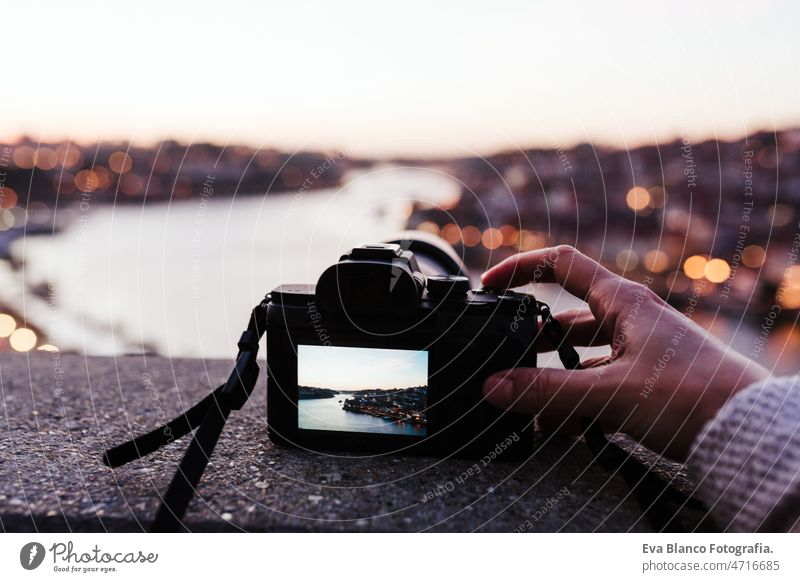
x=709 y=222
x=42 y=187
x=712 y=227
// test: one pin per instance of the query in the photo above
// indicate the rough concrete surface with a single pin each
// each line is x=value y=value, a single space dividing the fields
x=59 y=412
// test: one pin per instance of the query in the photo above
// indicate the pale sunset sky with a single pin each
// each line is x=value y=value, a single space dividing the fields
x=346 y=369
x=414 y=77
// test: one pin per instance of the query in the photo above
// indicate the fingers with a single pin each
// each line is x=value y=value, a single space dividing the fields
x=549 y=391
x=564 y=265
x=580 y=329
x=571 y=425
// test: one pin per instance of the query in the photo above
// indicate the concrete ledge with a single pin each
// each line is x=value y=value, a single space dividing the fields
x=59 y=412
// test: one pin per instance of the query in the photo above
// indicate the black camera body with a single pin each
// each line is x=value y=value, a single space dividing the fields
x=389 y=352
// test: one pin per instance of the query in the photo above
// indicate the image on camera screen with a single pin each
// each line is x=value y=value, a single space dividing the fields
x=362 y=390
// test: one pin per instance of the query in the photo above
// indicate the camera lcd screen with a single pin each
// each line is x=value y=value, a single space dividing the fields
x=362 y=390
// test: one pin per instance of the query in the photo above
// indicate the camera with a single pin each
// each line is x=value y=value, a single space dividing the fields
x=388 y=352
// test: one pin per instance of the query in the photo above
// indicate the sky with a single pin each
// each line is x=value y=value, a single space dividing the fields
x=360 y=368
x=410 y=78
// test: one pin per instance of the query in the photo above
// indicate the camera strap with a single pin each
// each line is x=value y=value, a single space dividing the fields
x=207 y=416
x=659 y=501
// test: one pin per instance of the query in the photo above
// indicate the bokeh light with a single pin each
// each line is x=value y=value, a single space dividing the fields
x=23 y=339
x=23 y=157
x=103 y=176
x=627 y=260
x=717 y=270
x=87 y=181
x=428 y=226
x=492 y=238
x=8 y=197
x=120 y=162
x=45 y=159
x=781 y=214
x=451 y=233
x=530 y=240
x=510 y=235
x=789 y=292
x=7 y=219
x=638 y=198
x=471 y=236
x=753 y=256
x=656 y=261
x=7 y=325
x=69 y=156
x=695 y=267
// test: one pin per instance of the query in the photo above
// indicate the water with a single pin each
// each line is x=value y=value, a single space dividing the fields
x=327 y=414
x=180 y=279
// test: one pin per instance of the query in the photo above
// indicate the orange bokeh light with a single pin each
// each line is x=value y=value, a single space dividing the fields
x=87 y=181
x=694 y=267
x=717 y=270
x=24 y=157
x=753 y=256
x=656 y=261
x=789 y=292
x=8 y=198
x=492 y=238
x=69 y=156
x=530 y=240
x=45 y=159
x=510 y=235
x=451 y=233
x=120 y=162
x=638 y=198
x=471 y=236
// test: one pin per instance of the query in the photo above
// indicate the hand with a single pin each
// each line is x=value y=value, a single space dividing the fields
x=665 y=378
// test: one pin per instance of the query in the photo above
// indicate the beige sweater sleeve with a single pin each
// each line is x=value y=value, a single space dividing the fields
x=746 y=461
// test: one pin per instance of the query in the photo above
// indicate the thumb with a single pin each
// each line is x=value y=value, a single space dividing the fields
x=551 y=391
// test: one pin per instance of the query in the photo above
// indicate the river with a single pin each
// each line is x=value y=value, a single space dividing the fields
x=327 y=414
x=180 y=279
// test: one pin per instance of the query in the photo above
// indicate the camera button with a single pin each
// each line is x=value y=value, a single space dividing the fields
x=450 y=288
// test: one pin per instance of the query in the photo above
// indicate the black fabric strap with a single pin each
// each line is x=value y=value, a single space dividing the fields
x=145 y=444
x=655 y=496
x=207 y=416
x=182 y=488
